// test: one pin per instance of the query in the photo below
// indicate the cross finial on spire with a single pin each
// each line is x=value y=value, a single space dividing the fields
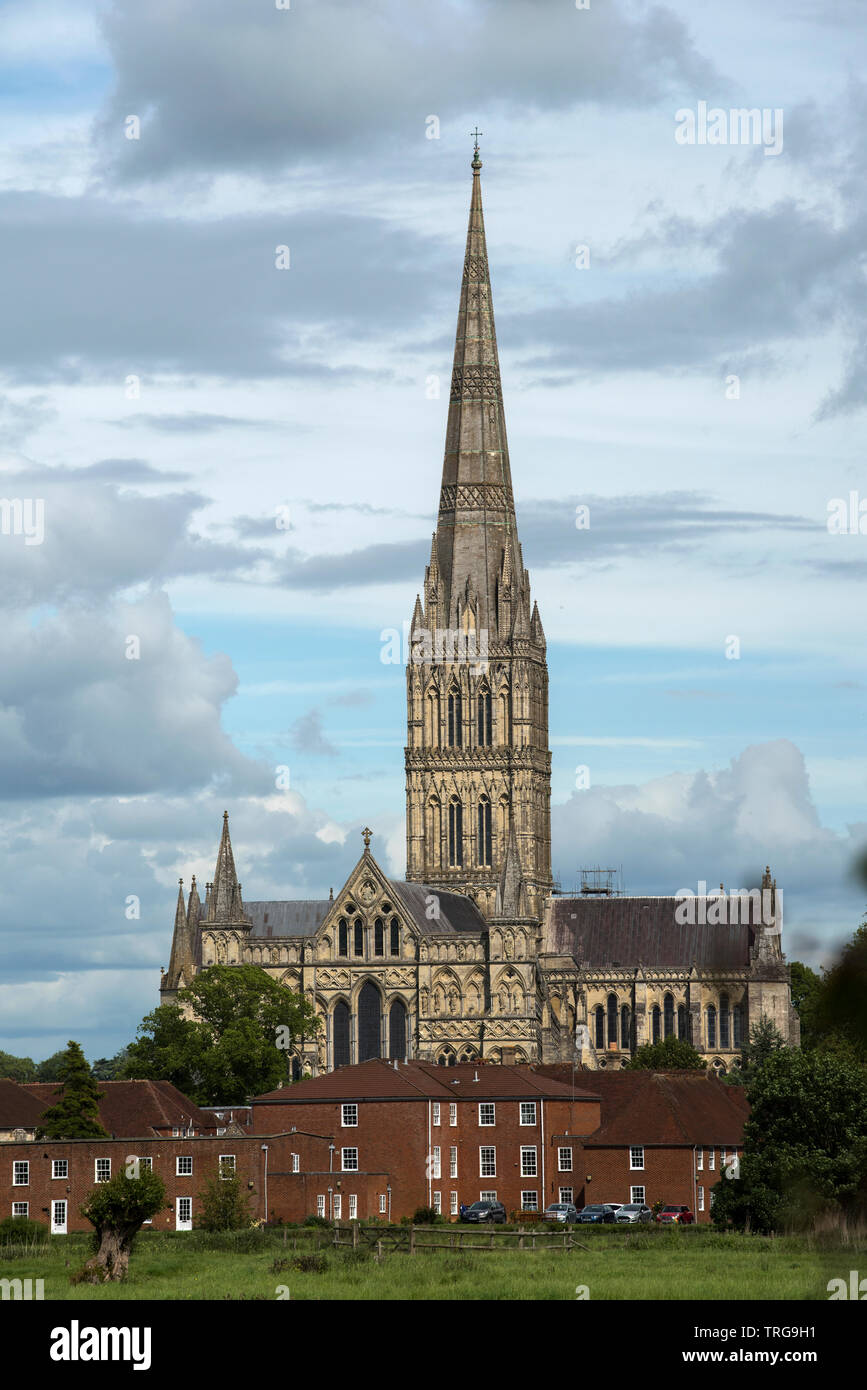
x=477 y=163
x=366 y=833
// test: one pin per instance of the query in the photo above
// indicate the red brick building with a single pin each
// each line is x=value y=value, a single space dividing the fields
x=664 y=1136
x=448 y=1135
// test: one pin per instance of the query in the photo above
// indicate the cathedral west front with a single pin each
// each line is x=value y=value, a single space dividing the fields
x=476 y=955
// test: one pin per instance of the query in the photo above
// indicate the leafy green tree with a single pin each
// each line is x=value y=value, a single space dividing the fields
x=76 y=1114
x=117 y=1210
x=672 y=1054
x=841 y=1010
x=110 y=1068
x=237 y=1044
x=806 y=989
x=764 y=1040
x=805 y=1144
x=224 y=1205
x=49 y=1070
x=17 y=1068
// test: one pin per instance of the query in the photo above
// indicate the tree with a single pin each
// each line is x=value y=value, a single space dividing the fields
x=76 y=1114
x=236 y=1045
x=110 y=1068
x=806 y=988
x=17 y=1068
x=117 y=1209
x=840 y=1010
x=763 y=1041
x=225 y=1207
x=49 y=1070
x=672 y=1054
x=805 y=1144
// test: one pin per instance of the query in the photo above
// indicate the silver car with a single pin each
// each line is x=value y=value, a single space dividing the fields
x=561 y=1211
x=634 y=1211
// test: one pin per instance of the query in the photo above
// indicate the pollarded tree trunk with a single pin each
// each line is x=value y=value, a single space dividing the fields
x=111 y=1261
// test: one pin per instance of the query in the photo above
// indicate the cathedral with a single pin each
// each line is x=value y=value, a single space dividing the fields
x=476 y=955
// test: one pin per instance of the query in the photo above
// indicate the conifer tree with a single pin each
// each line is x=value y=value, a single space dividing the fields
x=76 y=1113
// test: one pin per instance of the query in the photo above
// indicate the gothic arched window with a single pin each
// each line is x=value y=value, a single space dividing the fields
x=656 y=1017
x=668 y=1016
x=455 y=720
x=483 y=718
x=504 y=717
x=485 y=845
x=397 y=1031
x=612 y=1019
x=624 y=1027
x=378 y=938
x=369 y=1023
x=711 y=1025
x=599 y=1014
x=738 y=1025
x=340 y=1034
x=395 y=937
x=342 y=938
x=456 y=834
x=681 y=1022
x=359 y=937
x=724 y=1020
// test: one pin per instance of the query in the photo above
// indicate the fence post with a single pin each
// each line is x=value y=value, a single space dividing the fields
x=355 y=1235
x=412 y=1240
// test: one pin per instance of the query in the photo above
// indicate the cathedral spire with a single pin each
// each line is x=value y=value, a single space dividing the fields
x=224 y=899
x=476 y=525
x=181 y=964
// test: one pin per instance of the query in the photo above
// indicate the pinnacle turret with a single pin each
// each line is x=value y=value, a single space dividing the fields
x=224 y=898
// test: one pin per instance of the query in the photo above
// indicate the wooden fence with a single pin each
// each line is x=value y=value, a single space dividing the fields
x=412 y=1239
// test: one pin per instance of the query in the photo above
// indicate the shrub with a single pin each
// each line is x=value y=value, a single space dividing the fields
x=316 y=1221
x=21 y=1230
x=310 y=1264
x=424 y=1216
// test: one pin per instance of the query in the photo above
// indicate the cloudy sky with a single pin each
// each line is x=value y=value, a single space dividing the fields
x=238 y=449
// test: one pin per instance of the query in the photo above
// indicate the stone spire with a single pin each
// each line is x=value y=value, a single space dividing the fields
x=224 y=899
x=476 y=541
x=181 y=962
x=478 y=768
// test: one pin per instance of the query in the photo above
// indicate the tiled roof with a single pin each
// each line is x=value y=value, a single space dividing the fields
x=135 y=1109
x=601 y=932
x=456 y=913
x=296 y=917
x=18 y=1108
x=380 y=1080
x=674 y=1107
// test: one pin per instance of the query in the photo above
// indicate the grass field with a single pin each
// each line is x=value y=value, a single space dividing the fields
x=618 y=1265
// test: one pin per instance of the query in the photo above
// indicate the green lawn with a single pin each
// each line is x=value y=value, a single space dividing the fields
x=618 y=1264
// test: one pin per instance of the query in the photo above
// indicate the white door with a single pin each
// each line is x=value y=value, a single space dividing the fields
x=58 y=1218
x=183 y=1213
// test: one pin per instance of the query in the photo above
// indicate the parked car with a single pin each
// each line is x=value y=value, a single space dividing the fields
x=634 y=1211
x=561 y=1211
x=682 y=1216
x=615 y=1206
x=596 y=1214
x=485 y=1211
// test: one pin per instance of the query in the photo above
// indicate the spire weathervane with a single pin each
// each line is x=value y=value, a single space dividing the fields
x=477 y=163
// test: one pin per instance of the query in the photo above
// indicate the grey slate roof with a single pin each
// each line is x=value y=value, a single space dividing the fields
x=298 y=917
x=456 y=913
x=602 y=932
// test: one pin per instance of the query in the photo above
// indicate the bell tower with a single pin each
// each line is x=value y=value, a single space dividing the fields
x=478 y=767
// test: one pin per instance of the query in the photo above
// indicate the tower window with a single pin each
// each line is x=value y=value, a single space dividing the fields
x=485 y=845
x=342 y=938
x=456 y=834
x=455 y=720
x=483 y=719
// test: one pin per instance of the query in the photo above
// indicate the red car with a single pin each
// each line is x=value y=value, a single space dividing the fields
x=682 y=1215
